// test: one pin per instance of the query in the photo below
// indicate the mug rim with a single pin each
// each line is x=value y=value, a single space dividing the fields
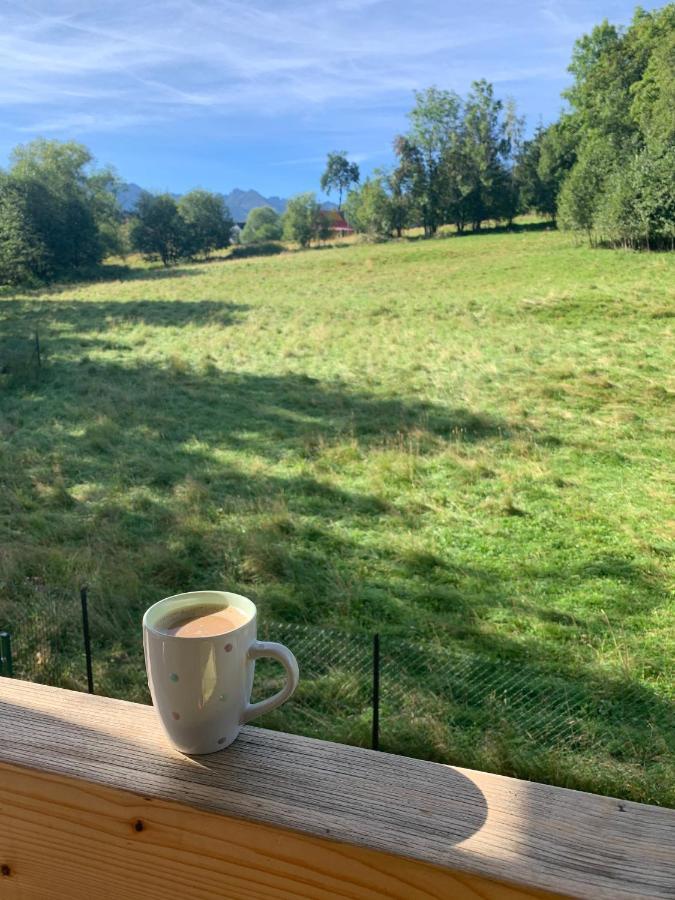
x=198 y=637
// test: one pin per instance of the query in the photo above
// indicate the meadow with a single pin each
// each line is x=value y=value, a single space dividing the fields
x=466 y=437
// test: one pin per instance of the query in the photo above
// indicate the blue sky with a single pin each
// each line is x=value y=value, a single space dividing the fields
x=253 y=93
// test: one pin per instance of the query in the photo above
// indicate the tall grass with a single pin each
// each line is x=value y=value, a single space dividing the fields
x=471 y=435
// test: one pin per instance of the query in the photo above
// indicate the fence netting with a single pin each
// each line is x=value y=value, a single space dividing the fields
x=439 y=698
x=44 y=628
x=334 y=697
x=444 y=701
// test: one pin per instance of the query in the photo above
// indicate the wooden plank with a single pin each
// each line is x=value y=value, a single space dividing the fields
x=273 y=802
x=68 y=838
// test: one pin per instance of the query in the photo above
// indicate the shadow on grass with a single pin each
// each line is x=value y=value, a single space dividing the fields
x=198 y=474
x=486 y=230
x=104 y=273
x=61 y=323
x=148 y=478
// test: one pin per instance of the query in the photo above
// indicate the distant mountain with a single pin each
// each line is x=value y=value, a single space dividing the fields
x=240 y=203
x=127 y=196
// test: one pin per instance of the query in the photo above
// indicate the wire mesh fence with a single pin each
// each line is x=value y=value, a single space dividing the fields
x=468 y=707
x=431 y=697
x=44 y=640
x=334 y=699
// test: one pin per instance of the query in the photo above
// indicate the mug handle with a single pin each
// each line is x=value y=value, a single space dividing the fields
x=288 y=661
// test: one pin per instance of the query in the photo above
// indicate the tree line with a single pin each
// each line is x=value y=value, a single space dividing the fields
x=59 y=216
x=605 y=168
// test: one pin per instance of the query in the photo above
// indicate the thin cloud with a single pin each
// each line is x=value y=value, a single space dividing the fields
x=312 y=160
x=217 y=55
x=78 y=63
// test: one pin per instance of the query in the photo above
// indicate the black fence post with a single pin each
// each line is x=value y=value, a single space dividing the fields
x=37 y=349
x=86 y=639
x=376 y=692
x=6 y=665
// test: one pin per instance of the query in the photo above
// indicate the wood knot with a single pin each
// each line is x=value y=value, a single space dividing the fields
x=138 y=825
x=5 y=870
x=622 y=807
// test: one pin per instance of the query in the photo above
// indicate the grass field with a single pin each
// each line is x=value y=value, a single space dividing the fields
x=471 y=436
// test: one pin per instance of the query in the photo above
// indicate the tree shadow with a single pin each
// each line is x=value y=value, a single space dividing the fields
x=61 y=323
x=151 y=477
x=106 y=272
x=486 y=230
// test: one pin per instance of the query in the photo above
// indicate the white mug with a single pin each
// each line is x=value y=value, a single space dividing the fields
x=201 y=686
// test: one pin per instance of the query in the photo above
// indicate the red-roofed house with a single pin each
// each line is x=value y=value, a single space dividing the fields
x=338 y=224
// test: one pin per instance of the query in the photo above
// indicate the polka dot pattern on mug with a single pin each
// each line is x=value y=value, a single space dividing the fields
x=228 y=648
x=173 y=677
x=222 y=740
x=176 y=715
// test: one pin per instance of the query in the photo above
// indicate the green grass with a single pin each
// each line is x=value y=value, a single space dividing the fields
x=471 y=437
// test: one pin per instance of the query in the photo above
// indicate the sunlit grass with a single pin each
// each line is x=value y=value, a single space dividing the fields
x=473 y=434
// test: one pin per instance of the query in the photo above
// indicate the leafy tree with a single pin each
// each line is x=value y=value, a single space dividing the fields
x=584 y=186
x=208 y=221
x=158 y=230
x=24 y=255
x=653 y=103
x=301 y=219
x=540 y=166
x=262 y=224
x=557 y=155
x=637 y=207
x=526 y=172
x=426 y=154
x=488 y=136
x=368 y=208
x=622 y=117
x=74 y=201
x=399 y=206
x=324 y=225
x=340 y=174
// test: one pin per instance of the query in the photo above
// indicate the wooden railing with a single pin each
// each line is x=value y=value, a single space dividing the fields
x=95 y=804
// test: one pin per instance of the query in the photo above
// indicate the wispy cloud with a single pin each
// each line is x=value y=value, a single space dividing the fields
x=79 y=65
x=312 y=160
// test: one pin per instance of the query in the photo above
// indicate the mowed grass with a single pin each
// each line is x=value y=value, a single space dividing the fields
x=466 y=437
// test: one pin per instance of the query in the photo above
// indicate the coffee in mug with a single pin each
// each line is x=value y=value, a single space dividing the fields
x=200 y=652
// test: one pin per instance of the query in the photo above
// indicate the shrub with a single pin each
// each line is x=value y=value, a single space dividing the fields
x=302 y=219
x=263 y=224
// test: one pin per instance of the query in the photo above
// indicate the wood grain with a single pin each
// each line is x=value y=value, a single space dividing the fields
x=281 y=816
x=73 y=839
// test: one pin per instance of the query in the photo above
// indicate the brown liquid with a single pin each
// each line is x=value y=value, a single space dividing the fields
x=202 y=623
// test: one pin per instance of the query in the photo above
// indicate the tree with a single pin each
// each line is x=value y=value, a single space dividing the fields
x=557 y=154
x=425 y=154
x=399 y=206
x=301 y=219
x=637 y=207
x=622 y=118
x=488 y=137
x=158 y=230
x=324 y=225
x=208 y=221
x=540 y=167
x=368 y=208
x=24 y=255
x=74 y=200
x=584 y=186
x=262 y=224
x=653 y=103
x=340 y=174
